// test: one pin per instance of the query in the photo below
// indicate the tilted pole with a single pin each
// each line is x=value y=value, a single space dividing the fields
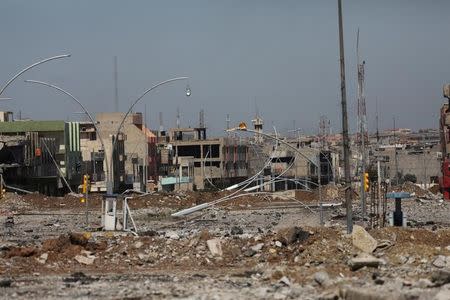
x=346 y=145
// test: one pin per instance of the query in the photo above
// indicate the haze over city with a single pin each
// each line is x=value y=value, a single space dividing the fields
x=206 y=149
x=283 y=56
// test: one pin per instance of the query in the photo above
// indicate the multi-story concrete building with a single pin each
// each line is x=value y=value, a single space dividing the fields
x=190 y=160
x=40 y=156
x=133 y=164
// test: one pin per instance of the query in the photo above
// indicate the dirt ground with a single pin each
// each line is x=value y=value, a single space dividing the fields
x=254 y=247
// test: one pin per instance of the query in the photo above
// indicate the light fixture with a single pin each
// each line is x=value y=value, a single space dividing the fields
x=188 y=91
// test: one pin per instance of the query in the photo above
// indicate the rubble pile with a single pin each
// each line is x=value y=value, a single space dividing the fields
x=414 y=190
x=228 y=250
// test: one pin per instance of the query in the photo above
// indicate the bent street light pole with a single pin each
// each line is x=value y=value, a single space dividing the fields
x=30 y=67
x=301 y=154
x=84 y=110
x=346 y=150
x=109 y=187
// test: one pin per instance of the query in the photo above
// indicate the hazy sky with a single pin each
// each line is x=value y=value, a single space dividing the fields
x=283 y=55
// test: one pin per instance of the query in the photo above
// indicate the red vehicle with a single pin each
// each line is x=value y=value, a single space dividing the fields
x=444 y=126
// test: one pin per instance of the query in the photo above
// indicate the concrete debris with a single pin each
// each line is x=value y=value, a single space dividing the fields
x=363 y=240
x=84 y=259
x=203 y=259
x=322 y=278
x=348 y=293
x=257 y=247
x=441 y=261
x=138 y=244
x=284 y=280
x=443 y=294
x=5 y=283
x=43 y=258
x=365 y=260
x=215 y=247
x=172 y=235
x=441 y=277
x=291 y=235
x=80 y=277
x=235 y=230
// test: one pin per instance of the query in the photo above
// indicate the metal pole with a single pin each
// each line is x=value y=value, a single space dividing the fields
x=109 y=187
x=86 y=199
x=83 y=108
x=56 y=165
x=346 y=150
x=30 y=67
x=395 y=156
x=361 y=123
x=379 y=184
x=319 y=181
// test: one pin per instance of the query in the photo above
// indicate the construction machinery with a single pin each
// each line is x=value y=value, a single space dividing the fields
x=444 y=126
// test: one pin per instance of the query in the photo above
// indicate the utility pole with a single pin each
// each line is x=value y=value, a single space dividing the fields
x=362 y=124
x=395 y=155
x=116 y=88
x=346 y=146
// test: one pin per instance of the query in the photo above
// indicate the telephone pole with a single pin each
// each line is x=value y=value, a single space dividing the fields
x=362 y=126
x=346 y=146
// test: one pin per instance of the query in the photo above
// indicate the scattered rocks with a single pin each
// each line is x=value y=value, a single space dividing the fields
x=215 y=247
x=172 y=235
x=322 y=278
x=4 y=283
x=138 y=244
x=349 y=293
x=441 y=261
x=22 y=252
x=79 y=239
x=235 y=230
x=79 y=277
x=423 y=283
x=249 y=252
x=441 y=277
x=43 y=258
x=290 y=235
x=257 y=247
x=284 y=280
x=363 y=240
x=84 y=259
x=278 y=244
x=365 y=260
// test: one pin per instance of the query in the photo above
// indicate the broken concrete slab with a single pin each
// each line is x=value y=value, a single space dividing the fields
x=365 y=260
x=257 y=247
x=215 y=247
x=84 y=260
x=441 y=261
x=43 y=258
x=322 y=278
x=363 y=240
x=349 y=293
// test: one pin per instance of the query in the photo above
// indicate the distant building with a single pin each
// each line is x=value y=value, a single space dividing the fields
x=40 y=155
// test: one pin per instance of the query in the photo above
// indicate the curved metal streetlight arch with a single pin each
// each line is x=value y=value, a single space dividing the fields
x=188 y=93
x=277 y=139
x=82 y=107
x=30 y=67
x=317 y=165
x=145 y=93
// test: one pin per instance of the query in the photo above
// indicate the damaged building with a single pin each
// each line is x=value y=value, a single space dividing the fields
x=41 y=156
x=190 y=160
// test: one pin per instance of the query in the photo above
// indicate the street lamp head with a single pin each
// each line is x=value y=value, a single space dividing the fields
x=188 y=90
